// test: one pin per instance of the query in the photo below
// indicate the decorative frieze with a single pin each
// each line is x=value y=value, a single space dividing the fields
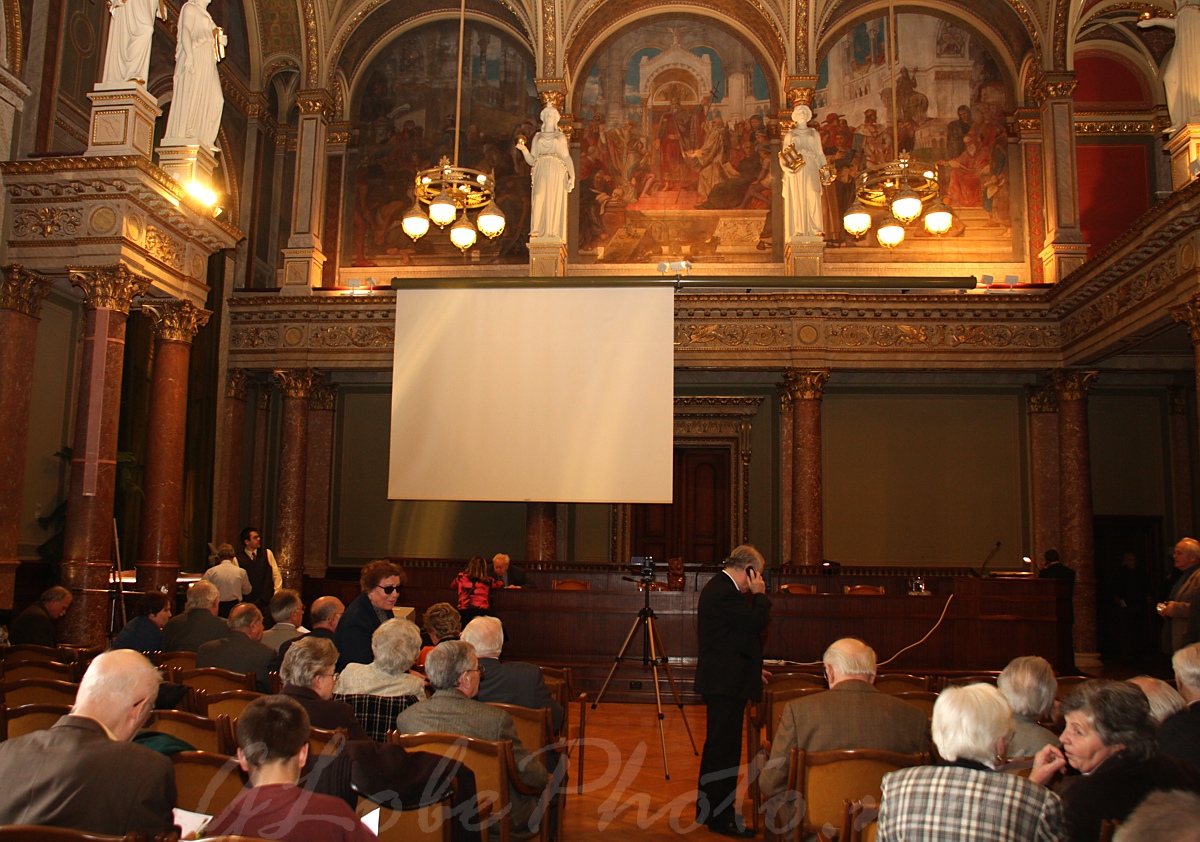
x=47 y=222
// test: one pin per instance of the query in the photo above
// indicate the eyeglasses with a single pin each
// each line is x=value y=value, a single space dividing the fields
x=326 y=674
x=388 y=589
x=476 y=669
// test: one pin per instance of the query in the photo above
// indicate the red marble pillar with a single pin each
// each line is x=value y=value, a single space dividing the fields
x=21 y=294
x=258 y=470
x=1042 y=407
x=174 y=324
x=1181 y=459
x=296 y=385
x=541 y=539
x=808 y=512
x=785 y=468
x=320 y=478
x=232 y=443
x=88 y=541
x=1075 y=504
x=1188 y=314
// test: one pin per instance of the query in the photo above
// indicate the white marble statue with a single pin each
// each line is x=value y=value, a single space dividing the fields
x=802 y=158
x=1181 y=76
x=197 y=101
x=553 y=178
x=130 y=32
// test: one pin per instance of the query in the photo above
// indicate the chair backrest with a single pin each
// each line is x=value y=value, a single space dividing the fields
x=558 y=682
x=776 y=700
x=535 y=728
x=38 y=833
x=488 y=760
x=183 y=660
x=229 y=703
x=860 y=822
x=215 y=679
x=789 y=680
x=896 y=682
x=199 y=732
x=206 y=783
x=25 y=719
x=376 y=714
x=570 y=585
x=325 y=741
x=825 y=779
x=34 y=652
x=1107 y=828
x=798 y=588
x=431 y=823
x=20 y=670
x=922 y=700
x=1067 y=683
x=863 y=590
x=37 y=691
x=963 y=680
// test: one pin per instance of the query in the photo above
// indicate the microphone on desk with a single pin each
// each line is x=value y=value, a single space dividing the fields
x=988 y=560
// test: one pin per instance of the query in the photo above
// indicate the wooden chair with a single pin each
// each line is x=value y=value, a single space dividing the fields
x=431 y=823
x=494 y=768
x=859 y=823
x=570 y=585
x=215 y=680
x=275 y=682
x=38 y=833
x=25 y=719
x=37 y=691
x=776 y=701
x=825 y=779
x=1067 y=683
x=963 y=680
x=762 y=721
x=325 y=741
x=206 y=783
x=21 y=670
x=790 y=680
x=1107 y=828
x=182 y=660
x=229 y=703
x=798 y=588
x=200 y=732
x=34 y=652
x=535 y=730
x=560 y=685
x=863 y=590
x=922 y=700
x=896 y=682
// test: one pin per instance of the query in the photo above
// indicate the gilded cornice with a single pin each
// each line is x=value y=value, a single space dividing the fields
x=236 y=382
x=15 y=47
x=22 y=290
x=108 y=287
x=175 y=321
x=1118 y=127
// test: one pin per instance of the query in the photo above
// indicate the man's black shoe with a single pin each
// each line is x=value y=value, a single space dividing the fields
x=731 y=829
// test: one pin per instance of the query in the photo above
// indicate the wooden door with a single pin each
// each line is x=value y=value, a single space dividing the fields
x=696 y=526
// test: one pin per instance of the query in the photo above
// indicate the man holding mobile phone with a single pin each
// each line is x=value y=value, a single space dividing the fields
x=728 y=674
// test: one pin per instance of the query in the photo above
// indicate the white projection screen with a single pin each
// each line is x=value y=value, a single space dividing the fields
x=549 y=394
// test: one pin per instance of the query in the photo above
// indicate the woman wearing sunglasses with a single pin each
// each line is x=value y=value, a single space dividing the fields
x=381 y=582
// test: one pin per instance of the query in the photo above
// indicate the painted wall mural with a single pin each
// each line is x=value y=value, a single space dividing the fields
x=951 y=107
x=402 y=114
x=675 y=156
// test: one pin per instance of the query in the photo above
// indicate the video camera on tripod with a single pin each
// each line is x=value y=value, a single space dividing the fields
x=643 y=566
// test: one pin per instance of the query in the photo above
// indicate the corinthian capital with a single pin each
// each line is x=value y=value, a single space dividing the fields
x=806 y=383
x=1041 y=397
x=22 y=290
x=175 y=321
x=1188 y=314
x=1072 y=384
x=236 y=382
x=296 y=382
x=108 y=287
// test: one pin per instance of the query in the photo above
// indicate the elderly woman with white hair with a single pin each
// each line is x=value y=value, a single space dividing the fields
x=1028 y=685
x=965 y=798
x=395 y=645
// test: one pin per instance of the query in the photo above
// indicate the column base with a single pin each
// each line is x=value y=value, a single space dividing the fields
x=1061 y=259
x=188 y=164
x=301 y=271
x=1089 y=663
x=804 y=255
x=1184 y=148
x=547 y=259
x=122 y=121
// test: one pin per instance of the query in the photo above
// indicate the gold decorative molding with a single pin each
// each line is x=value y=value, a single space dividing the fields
x=806 y=384
x=1177 y=400
x=1072 y=384
x=175 y=321
x=785 y=397
x=731 y=335
x=296 y=382
x=549 y=36
x=108 y=287
x=314 y=102
x=551 y=96
x=264 y=396
x=47 y=222
x=22 y=290
x=1188 y=314
x=323 y=397
x=801 y=96
x=1057 y=85
x=1116 y=127
x=941 y=335
x=14 y=37
x=311 y=44
x=236 y=382
x=1041 y=397
x=162 y=246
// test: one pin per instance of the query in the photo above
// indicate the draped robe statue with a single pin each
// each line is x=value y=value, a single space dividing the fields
x=196 y=104
x=130 y=32
x=553 y=178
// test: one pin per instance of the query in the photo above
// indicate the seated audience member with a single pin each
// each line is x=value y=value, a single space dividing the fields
x=964 y=798
x=453 y=671
x=84 y=773
x=1029 y=686
x=507 y=682
x=243 y=650
x=144 y=633
x=287 y=610
x=395 y=645
x=381 y=582
x=35 y=625
x=441 y=622
x=231 y=581
x=307 y=673
x=198 y=624
x=1179 y=735
x=1164 y=699
x=474 y=587
x=326 y=613
x=851 y=714
x=1110 y=757
x=1163 y=817
x=272 y=735
x=508 y=574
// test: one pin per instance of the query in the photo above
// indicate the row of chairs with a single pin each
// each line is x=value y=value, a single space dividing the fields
x=902 y=682
x=41 y=833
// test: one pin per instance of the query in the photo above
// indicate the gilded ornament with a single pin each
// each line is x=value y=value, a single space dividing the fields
x=1177 y=400
x=175 y=321
x=103 y=220
x=296 y=382
x=806 y=384
x=1041 y=397
x=163 y=246
x=108 y=287
x=1188 y=314
x=731 y=335
x=1054 y=86
x=550 y=96
x=313 y=102
x=323 y=397
x=22 y=290
x=236 y=382
x=47 y=222
x=785 y=397
x=1072 y=384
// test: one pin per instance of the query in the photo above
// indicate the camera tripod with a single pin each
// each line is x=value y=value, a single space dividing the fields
x=654 y=655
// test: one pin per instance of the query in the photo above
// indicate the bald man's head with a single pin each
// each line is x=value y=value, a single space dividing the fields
x=849 y=659
x=118 y=690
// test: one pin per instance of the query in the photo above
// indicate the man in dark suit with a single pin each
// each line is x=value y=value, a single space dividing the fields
x=84 y=773
x=507 y=682
x=35 y=624
x=255 y=559
x=326 y=613
x=728 y=674
x=243 y=651
x=198 y=624
x=503 y=570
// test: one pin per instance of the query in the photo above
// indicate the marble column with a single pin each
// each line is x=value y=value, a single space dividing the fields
x=296 y=385
x=87 y=559
x=1041 y=404
x=174 y=324
x=318 y=489
x=304 y=258
x=785 y=468
x=1064 y=249
x=808 y=513
x=21 y=294
x=1179 y=442
x=541 y=541
x=228 y=509
x=258 y=469
x=1075 y=505
x=1188 y=314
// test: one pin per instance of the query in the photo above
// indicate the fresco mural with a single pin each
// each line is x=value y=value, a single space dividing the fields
x=951 y=103
x=675 y=156
x=402 y=113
